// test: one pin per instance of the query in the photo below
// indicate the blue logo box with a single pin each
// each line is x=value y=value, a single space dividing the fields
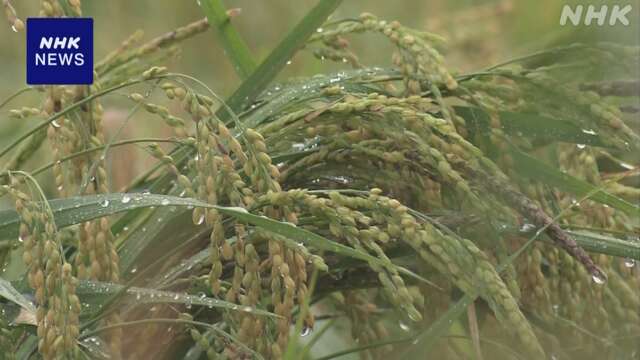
x=59 y=51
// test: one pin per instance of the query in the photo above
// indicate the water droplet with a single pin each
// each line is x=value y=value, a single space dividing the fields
x=126 y=228
x=20 y=239
x=319 y=30
x=526 y=227
x=581 y=146
x=164 y=202
x=306 y=331
x=627 y=166
x=289 y=62
x=200 y=220
x=55 y=124
x=629 y=262
x=247 y=309
x=589 y=131
x=134 y=270
x=126 y=199
x=104 y=203
x=404 y=326
x=598 y=279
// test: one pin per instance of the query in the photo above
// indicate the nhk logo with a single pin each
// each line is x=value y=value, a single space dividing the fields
x=53 y=58
x=591 y=14
x=59 y=51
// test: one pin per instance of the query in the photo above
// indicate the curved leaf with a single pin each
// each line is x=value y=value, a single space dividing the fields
x=531 y=125
x=76 y=210
x=271 y=66
x=528 y=166
x=93 y=292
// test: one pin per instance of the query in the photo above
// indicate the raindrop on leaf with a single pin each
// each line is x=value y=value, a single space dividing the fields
x=306 y=331
x=404 y=326
x=629 y=262
x=598 y=279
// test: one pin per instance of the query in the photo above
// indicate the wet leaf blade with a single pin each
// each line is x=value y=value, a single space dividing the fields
x=94 y=292
x=528 y=166
x=603 y=244
x=277 y=59
x=76 y=210
x=10 y=293
x=531 y=125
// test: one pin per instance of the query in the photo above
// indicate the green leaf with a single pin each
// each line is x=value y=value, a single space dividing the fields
x=96 y=293
x=10 y=293
x=530 y=125
x=76 y=210
x=604 y=244
x=271 y=66
x=234 y=47
x=530 y=167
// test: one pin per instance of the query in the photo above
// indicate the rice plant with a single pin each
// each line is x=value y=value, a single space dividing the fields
x=412 y=211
